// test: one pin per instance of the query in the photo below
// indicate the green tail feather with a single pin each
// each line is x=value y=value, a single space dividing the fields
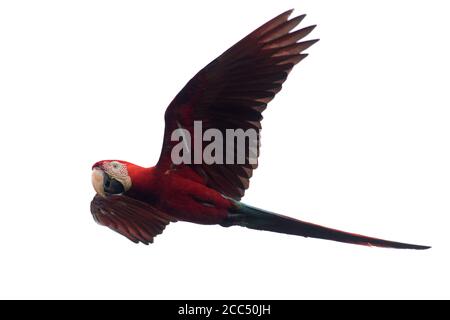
x=247 y=216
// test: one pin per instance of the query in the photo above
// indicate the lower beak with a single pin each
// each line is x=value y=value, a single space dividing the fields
x=104 y=184
x=98 y=176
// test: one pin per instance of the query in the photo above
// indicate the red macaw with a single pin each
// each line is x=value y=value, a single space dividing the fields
x=230 y=92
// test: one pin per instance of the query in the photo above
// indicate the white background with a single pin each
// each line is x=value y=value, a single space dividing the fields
x=358 y=140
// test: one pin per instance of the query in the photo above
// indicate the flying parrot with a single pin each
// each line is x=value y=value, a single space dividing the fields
x=231 y=92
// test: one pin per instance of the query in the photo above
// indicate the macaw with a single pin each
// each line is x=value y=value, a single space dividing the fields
x=230 y=92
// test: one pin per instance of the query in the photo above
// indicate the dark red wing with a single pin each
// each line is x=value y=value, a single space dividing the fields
x=133 y=219
x=231 y=93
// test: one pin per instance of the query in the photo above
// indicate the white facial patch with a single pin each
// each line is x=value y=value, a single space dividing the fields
x=118 y=171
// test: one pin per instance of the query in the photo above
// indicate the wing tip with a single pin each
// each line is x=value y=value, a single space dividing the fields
x=287 y=12
x=310 y=42
x=300 y=17
x=281 y=17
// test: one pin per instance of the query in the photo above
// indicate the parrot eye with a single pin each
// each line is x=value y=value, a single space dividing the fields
x=115 y=165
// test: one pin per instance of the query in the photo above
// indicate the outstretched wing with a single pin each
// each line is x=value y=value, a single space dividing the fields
x=231 y=93
x=136 y=220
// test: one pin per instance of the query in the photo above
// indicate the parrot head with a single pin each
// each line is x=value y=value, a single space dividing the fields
x=111 y=177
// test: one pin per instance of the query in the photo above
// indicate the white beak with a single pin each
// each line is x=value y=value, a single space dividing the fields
x=97 y=181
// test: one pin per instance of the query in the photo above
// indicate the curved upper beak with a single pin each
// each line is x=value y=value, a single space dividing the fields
x=98 y=176
x=104 y=184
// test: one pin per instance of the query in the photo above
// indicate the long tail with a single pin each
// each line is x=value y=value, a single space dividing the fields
x=254 y=218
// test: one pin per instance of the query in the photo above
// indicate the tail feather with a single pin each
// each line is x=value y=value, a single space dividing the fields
x=258 y=219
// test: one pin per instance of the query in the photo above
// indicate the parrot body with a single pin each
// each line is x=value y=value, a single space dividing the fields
x=229 y=93
x=181 y=195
